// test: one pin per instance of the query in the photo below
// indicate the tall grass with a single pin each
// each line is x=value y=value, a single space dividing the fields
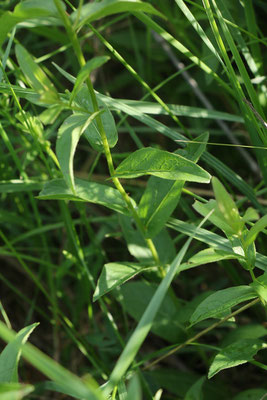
x=131 y=275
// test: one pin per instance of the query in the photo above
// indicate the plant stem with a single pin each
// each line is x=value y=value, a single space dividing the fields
x=202 y=333
x=80 y=57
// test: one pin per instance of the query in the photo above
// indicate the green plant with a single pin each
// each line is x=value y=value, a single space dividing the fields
x=93 y=226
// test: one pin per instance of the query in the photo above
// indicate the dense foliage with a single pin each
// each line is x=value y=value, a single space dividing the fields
x=133 y=199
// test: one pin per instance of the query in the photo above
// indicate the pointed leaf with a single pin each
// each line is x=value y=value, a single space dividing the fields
x=91 y=192
x=207 y=256
x=235 y=354
x=150 y=161
x=158 y=203
x=260 y=287
x=227 y=207
x=162 y=196
x=114 y=275
x=221 y=301
x=10 y=356
x=94 y=63
x=195 y=392
x=92 y=133
x=217 y=218
x=14 y=391
x=255 y=230
x=68 y=137
x=35 y=75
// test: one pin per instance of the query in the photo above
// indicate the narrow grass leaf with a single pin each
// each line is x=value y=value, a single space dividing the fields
x=94 y=11
x=166 y=323
x=86 y=390
x=213 y=240
x=235 y=354
x=195 y=24
x=114 y=275
x=147 y=107
x=67 y=140
x=17 y=185
x=146 y=321
x=150 y=161
x=9 y=358
x=221 y=301
x=91 y=192
x=212 y=161
x=14 y=391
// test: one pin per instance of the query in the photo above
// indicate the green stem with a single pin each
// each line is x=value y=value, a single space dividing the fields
x=202 y=333
x=80 y=57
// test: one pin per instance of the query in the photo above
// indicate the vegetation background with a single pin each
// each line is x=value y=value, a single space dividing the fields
x=133 y=177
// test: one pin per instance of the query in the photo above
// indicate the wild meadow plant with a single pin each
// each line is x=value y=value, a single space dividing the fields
x=133 y=188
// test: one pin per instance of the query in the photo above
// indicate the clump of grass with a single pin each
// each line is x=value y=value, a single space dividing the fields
x=144 y=280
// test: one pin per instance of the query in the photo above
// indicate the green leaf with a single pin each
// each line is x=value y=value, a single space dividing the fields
x=251 y=394
x=36 y=8
x=217 y=218
x=255 y=230
x=195 y=392
x=227 y=207
x=14 y=391
x=166 y=323
x=212 y=240
x=94 y=11
x=220 y=302
x=162 y=196
x=35 y=75
x=92 y=133
x=68 y=137
x=235 y=354
x=213 y=162
x=147 y=107
x=207 y=256
x=84 y=389
x=10 y=356
x=146 y=322
x=250 y=215
x=17 y=185
x=114 y=275
x=85 y=71
x=26 y=10
x=158 y=203
x=138 y=247
x=91 y=192
x=134 y=391
x=260 y=287
x=150 y=161
x=248 y=331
